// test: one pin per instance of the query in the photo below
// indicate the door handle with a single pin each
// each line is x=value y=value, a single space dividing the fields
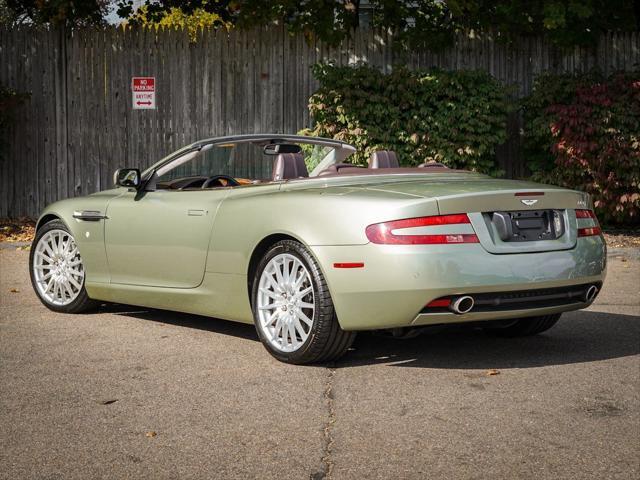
x=194 y=212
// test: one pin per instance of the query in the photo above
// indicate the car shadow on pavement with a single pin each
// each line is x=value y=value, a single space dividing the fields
x=579 y=337
x=214 y=325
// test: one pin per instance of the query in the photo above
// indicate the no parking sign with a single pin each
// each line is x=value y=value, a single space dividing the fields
x=143 y=90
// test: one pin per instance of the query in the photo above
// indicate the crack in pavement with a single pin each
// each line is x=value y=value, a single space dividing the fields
x=326 y=470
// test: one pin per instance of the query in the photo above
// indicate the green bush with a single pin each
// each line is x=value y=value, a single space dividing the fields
x=457 y=118
x=583 y=132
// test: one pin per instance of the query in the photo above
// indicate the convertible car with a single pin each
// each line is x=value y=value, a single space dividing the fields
x=281 y=231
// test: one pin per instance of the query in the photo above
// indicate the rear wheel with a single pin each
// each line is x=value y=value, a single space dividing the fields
x=292 y=307
x=524 y=327
x=57 y=271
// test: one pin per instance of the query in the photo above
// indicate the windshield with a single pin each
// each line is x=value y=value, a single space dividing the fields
x=243 y=162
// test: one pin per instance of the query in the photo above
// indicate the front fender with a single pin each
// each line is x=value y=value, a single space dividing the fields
x=88 y=234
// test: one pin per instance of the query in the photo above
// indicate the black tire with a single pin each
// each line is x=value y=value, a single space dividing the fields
x=82 y=302
x=326 y=341
x=524 y=327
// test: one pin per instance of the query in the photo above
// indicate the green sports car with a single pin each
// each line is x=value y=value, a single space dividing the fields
x=281 y=231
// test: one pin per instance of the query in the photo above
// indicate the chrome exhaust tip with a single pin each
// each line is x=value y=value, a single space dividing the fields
x=462 y=304
x=591 y=293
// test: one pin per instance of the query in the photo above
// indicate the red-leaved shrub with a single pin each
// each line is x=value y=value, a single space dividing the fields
x=584 y=133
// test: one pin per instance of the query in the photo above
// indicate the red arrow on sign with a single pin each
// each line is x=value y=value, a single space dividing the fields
x=143 y=103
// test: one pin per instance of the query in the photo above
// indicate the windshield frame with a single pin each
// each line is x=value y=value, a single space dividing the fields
x=340 y=150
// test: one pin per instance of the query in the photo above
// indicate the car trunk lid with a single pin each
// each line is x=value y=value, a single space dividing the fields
x=539 y=217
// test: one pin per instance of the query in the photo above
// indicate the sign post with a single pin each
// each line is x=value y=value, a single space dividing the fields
x=143 y=90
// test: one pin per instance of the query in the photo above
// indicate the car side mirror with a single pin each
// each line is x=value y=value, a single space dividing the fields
x=127 y=177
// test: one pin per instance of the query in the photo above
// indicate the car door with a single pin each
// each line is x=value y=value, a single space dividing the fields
x=160 y=238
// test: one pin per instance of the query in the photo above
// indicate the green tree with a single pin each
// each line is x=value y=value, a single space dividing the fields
x=565 y=22
x=69 y=13
x=7 y=15
x=424 y=23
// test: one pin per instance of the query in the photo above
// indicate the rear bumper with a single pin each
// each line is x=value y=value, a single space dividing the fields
x=397 y=281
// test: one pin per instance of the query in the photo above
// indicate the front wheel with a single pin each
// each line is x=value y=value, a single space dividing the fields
x=525 y=327
x=292 y=307
x=57 y=271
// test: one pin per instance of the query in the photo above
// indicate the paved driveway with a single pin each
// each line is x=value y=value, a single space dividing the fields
x=132 y=393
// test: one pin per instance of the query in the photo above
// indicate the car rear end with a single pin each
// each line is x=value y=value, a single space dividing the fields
x=469 y=251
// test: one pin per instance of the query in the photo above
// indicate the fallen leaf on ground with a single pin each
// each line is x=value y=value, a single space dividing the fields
x=492 y=372
x=622 y=238
x=150 y=434
x=17 y=229
x=14 y=290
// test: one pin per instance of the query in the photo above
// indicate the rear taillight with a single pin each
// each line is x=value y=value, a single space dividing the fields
x=383 y=233
x=589 y=231
x=585 y=214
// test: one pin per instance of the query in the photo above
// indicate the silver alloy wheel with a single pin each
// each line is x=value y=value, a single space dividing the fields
x=286 y=303
x=57 y=268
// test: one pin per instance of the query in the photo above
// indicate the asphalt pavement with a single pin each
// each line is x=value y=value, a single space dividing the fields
x=132 y=393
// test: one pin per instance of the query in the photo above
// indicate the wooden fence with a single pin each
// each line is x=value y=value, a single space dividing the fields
x=79 y=126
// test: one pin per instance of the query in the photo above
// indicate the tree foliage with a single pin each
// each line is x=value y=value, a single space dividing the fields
x=457 y=118
x=565 y=22
x=198 y=19
x=7 y=15
x=584 y=132
x=418 y=23
x=415 y=23
x=68 y=13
